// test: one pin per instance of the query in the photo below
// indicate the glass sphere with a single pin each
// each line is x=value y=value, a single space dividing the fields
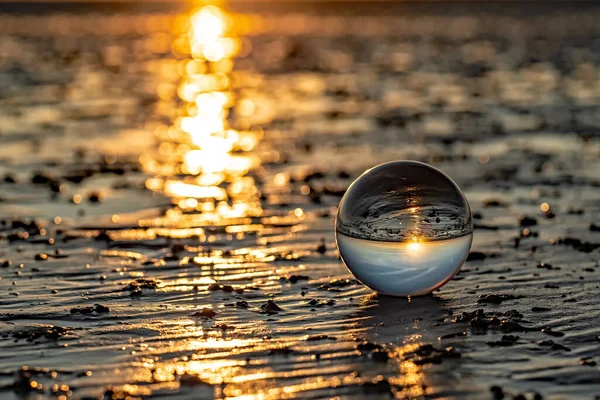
x=404 y=228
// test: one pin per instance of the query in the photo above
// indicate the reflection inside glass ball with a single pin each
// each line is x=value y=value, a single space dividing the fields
x=404 y=228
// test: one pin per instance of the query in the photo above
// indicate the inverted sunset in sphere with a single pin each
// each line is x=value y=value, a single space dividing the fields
x=404 y=228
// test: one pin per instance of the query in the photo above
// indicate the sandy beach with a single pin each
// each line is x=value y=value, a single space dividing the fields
x=169 y=181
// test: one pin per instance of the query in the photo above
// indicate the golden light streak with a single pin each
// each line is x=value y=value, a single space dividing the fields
x=414 y=246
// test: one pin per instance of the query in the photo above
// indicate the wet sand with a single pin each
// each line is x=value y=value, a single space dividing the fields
x=143 y=256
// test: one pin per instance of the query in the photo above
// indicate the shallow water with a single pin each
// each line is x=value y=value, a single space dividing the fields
x=141 y=209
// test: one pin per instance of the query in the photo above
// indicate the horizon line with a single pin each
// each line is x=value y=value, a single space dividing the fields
x=294 y=1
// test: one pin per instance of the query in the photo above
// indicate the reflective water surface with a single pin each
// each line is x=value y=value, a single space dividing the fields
x=169 y=182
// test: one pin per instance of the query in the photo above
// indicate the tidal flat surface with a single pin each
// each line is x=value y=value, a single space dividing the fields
x=167 y=222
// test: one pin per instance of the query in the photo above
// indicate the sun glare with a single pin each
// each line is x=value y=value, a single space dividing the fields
x=201 y=144
x=415 y=246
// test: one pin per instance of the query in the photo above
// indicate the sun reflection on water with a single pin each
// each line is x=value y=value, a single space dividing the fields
x=203 y=162
x=203 y=166
x=207 y=164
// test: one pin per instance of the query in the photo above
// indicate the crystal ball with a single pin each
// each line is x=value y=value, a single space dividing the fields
x=404 y=228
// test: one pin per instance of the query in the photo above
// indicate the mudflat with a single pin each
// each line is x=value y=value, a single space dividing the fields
x=169 y=182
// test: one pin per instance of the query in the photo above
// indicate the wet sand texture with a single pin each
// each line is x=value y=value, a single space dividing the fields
x=167 y=226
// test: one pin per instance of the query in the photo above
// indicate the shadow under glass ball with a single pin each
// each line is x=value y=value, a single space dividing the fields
x=404 y=228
